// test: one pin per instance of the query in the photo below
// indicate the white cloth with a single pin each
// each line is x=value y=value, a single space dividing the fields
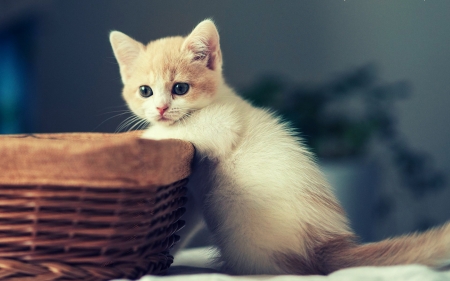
x=194 y=265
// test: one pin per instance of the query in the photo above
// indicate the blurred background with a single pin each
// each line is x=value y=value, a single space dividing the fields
x=366 y=82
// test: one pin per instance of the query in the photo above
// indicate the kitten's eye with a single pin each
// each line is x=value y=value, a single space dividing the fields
x=180 y=88
x=145 y=91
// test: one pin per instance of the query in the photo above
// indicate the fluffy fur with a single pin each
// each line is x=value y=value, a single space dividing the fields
x=260 y=192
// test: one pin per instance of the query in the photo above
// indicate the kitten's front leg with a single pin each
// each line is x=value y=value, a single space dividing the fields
x=214 y=131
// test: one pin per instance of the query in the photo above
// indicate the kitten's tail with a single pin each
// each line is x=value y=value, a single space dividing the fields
x=431 y=248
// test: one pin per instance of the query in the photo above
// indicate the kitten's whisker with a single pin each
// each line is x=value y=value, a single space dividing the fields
x=136 y=124
x=109 y=118
x=145 y=124
x=120 y=127
x=127 y=122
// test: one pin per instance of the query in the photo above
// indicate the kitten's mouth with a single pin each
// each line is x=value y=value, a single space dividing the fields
x=172 y=119
x=164 y=119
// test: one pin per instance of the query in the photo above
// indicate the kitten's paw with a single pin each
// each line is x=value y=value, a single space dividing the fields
x=154 y=133
x=151 y=137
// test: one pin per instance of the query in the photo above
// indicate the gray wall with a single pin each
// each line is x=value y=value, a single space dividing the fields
x=78 y=78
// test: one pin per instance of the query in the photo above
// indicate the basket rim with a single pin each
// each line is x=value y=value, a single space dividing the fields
x=100 y=160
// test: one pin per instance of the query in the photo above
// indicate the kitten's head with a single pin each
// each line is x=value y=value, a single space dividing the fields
x=171 y=77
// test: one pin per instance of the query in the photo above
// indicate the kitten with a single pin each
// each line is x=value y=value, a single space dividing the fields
x=261 y=194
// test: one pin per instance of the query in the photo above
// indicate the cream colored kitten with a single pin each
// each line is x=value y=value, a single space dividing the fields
x=261 y=194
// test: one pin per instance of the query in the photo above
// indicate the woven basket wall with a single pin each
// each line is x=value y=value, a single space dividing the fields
x=89 y=206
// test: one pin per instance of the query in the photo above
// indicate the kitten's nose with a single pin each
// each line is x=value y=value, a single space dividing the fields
x=162 y=109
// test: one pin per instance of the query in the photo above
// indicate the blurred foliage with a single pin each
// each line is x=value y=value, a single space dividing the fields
x=340 y=118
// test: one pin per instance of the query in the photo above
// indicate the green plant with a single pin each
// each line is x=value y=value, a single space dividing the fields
x=340 y=118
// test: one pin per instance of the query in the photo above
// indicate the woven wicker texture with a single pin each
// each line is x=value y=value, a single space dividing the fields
x=90 y=232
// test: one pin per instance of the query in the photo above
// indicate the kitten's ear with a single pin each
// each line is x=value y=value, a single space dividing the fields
x=126 y=51
x=203 y=44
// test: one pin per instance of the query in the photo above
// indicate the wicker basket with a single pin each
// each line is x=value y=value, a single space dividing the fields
x=89 y=206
